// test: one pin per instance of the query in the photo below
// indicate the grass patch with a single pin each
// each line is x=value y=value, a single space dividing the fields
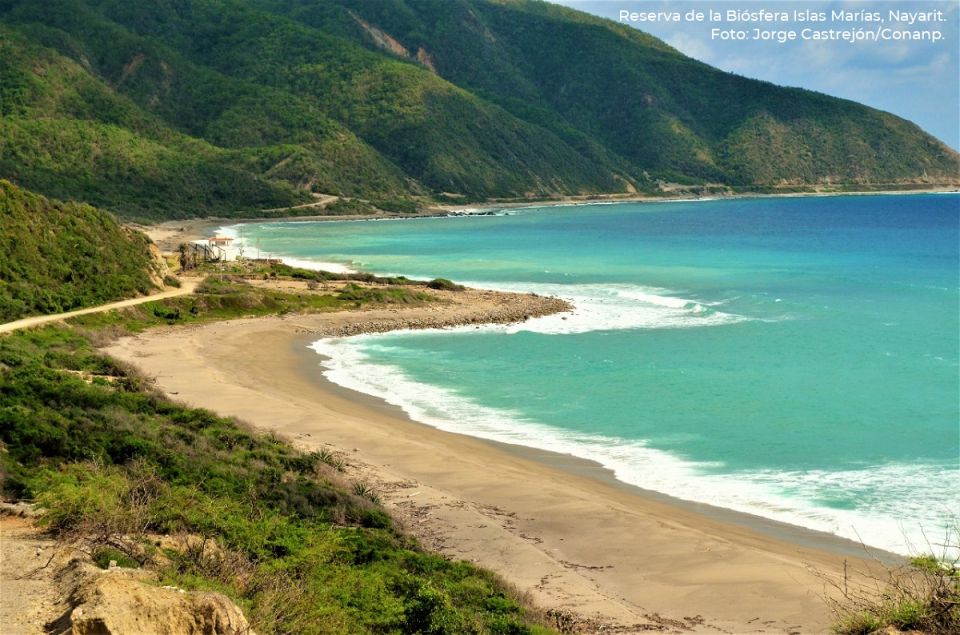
x=381 y=295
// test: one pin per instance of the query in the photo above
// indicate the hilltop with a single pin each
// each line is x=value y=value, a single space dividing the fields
x=230 y=107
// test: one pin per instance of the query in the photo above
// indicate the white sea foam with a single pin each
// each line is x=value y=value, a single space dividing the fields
x=603 y=307
x=897 y=505
x=699 y=199
x=242 y=245
x=479 y=211
x=314 y=265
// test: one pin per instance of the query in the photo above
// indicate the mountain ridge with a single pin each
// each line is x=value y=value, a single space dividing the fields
x=226 y=107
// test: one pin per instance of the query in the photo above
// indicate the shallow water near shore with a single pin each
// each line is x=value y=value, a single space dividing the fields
x=791 y=358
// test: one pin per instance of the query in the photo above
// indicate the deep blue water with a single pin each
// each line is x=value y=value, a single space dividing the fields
x=795 y=358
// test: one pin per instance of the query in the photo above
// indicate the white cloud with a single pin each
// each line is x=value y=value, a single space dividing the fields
x=691 y=45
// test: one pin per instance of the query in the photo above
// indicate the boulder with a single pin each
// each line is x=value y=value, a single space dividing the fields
x=120 y=601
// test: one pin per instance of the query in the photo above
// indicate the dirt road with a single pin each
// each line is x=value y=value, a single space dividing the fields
x=187 y=287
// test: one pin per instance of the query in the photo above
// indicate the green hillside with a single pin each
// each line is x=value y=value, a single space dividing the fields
x=175 y=109
x=60 y=256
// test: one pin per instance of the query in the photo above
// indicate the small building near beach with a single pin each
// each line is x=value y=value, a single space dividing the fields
x=218 y=246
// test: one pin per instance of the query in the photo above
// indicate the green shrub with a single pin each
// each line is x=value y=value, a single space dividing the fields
x=365 y=491
x=445 y=285
x=104 y=555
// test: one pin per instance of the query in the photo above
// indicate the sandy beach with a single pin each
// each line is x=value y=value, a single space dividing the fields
x=556 y=526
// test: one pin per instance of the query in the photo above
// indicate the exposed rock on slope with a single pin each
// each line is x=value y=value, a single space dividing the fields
x=117 y=601
x=51 y=587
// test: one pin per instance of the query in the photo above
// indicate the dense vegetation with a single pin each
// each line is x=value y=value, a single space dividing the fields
x=60 y=256
x=299 y=548
x=228 y=106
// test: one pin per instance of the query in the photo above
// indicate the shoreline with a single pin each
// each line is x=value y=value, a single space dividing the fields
x=561 y=527
x=776 y=521
x=593 y=470
x=776 y=525
x=168 y=234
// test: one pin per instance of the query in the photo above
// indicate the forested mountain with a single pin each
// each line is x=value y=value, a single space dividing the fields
x=57 y=256
x=174 y=108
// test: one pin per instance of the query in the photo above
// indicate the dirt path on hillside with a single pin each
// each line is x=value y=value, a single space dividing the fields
x=187 y=287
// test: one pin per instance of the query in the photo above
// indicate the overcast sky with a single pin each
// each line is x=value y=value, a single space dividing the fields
x=917 y=80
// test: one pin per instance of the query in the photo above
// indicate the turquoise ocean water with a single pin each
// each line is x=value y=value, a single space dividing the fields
x=792 y=358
